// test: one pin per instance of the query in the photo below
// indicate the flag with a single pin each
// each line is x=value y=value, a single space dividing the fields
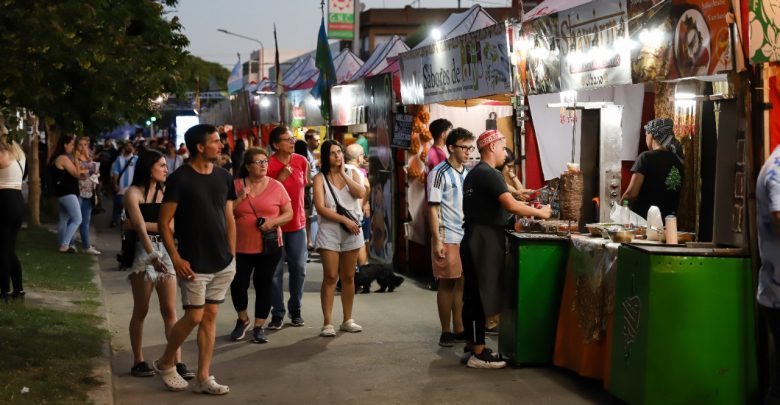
x=235 y=80
x=277 y=68
x=324 y=62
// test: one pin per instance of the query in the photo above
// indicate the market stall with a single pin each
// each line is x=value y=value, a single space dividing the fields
x=573 y=70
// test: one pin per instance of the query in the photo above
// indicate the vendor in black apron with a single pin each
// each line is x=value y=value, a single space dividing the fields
x=658 y=172
x=487 y=204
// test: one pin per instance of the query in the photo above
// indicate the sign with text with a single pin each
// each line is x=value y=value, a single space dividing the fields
x=402 y=134
x=341 y=19
x=589 y=55
x=468 y=66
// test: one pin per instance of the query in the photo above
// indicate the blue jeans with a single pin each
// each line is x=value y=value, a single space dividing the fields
x=86 y=219
x=294 y=251
x=116 y=212
x=70 y=219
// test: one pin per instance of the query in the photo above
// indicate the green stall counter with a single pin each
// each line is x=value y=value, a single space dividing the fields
x=536 y=265
x=683 y=327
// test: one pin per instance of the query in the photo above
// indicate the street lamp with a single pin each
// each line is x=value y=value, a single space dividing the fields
x=262 y=50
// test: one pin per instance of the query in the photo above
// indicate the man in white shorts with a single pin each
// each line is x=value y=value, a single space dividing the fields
x=199 y=196
x=445 y=202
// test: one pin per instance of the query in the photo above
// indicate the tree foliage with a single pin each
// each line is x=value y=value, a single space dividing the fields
x=87 y=65
x=196 y=74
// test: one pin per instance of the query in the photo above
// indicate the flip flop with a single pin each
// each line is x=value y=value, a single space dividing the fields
x=172 y=380
x=211 y=387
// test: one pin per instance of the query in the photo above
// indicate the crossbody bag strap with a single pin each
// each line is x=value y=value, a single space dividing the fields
x=249 y=199
x=335 y=200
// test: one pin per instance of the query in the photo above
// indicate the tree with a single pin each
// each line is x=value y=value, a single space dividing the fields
x=85 y=66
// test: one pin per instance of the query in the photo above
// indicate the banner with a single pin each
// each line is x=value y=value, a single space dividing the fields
x=539 y=56
x=701 y=44
x=591 y=55
x=341 y=19
x=402 y=134
x=468 y=66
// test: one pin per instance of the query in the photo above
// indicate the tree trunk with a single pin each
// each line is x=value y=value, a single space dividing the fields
x=34 y=176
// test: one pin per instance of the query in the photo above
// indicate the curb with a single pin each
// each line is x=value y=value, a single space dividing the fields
x=104 y=394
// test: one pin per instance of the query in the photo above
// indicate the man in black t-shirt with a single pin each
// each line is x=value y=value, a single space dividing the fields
x=199 y=196
x=657 y=173
x=487 y=204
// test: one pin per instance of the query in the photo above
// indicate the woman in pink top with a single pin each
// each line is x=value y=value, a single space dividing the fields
x=262 y=207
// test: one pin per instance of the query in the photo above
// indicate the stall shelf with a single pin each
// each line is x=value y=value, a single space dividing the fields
x=683 y=327
x=532 y=294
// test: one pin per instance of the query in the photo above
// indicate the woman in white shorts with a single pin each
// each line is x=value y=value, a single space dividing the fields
x=152 y=268
x=337 y=189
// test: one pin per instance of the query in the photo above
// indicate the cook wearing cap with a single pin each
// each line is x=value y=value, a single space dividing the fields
x=657 y=173
x=487 y=204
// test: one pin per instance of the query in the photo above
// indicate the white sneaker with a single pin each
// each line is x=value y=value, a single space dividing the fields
x=328 y=331
x=92 y=251
x=350 y=326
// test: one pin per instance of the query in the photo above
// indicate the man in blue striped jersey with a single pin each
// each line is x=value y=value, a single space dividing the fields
x=445 y=202
x=121 y=176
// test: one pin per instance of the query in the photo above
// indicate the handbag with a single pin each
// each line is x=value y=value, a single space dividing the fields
x=341 y=210
x=270 y=240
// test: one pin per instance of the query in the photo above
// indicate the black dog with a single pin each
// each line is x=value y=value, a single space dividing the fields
x=383 y=275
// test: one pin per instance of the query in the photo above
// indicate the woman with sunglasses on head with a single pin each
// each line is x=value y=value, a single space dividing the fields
x=337 y=192
x=262 y=207
x=88 y=186
x=152 y=268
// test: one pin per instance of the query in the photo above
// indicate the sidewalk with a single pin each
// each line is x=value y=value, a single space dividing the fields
x=396 y=359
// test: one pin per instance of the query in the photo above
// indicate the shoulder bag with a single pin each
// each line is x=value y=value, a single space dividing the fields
x=270 y=240
x=341 y=210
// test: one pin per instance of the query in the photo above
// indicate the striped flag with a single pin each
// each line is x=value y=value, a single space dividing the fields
x=235 y=80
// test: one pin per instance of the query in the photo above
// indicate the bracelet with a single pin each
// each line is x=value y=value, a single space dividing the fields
x=156 y=255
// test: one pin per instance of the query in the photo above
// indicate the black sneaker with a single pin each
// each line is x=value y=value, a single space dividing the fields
x=446 y=339
x=184 y=372
x=276 y=322
x=258 y=335
x=240 y=330
x=459 y=337
x=142 y=370
x=295 y=317
x=486 y=359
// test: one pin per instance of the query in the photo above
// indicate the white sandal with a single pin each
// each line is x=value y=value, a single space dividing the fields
x=172 y=380
x=210 y=386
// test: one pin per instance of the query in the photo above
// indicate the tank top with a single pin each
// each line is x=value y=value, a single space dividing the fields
x=12 y=176
x=344 y=197
x=150 y=211
x=64 y=183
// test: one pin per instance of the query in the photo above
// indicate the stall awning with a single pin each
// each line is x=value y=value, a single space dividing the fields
x=548 y=7
x=457 y=24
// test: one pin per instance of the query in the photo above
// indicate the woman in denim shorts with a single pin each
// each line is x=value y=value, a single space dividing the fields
x=152 y=268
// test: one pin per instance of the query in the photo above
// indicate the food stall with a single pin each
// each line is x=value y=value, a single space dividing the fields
x=631 y=312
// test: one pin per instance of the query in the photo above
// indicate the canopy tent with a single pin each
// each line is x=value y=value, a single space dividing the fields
x=457 y=24
x=301 y=72
x=378 y=60
x=346 y=63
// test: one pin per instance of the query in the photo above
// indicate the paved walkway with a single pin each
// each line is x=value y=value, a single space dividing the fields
x=396 y=359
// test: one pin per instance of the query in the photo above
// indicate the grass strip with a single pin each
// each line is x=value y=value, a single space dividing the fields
x=50 y=351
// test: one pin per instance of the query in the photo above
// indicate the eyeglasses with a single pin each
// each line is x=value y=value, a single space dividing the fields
x=290 y=139
x=469 y=148
x=263 y=162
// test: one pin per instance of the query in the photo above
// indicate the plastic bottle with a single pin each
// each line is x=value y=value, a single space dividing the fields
x=625 y=215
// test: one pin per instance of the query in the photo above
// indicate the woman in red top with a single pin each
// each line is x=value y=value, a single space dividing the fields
x=262 y=207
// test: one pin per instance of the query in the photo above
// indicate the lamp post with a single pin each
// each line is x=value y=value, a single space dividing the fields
x=262 y=51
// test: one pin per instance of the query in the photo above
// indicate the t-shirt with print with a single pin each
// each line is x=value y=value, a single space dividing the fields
x=481 y=189
x=127 y=175
x=201 y=227
x=663 y=180
x=268 y=204
x=436 y=155
x=445 y=189
x=294 y=186
x=768 y=202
